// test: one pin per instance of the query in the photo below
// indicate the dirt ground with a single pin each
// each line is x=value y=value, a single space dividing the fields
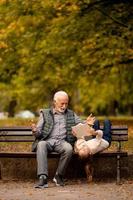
x=73 y=190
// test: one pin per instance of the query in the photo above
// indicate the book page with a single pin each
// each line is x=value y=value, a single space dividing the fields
x=81 y=130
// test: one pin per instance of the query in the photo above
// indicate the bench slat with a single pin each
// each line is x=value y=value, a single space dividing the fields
x=16 y=140
x=15 y=133
x=122 y=132
x=119 y=138
x=25 y=155
x=55 y=155
x=17 y=128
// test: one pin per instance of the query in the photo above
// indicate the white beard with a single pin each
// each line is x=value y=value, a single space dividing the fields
x=61 y=110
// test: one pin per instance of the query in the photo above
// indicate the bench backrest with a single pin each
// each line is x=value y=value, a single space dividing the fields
x=16 y=134
x=119 y=133
x=24 y=134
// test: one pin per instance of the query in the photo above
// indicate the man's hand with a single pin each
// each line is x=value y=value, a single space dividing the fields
x=90 y=120
x=33 y=127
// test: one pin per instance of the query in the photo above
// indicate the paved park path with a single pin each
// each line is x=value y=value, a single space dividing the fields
x=74 y=190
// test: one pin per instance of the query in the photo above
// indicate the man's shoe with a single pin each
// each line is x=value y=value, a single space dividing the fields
x=43 y=183
x=58 y=179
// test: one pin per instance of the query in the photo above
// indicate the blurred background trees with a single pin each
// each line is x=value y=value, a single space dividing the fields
x=84 y=47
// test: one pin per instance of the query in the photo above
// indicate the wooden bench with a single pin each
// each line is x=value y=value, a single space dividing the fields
x=24 y=134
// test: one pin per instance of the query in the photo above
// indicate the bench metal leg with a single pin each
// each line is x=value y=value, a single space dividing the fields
x=118 y=169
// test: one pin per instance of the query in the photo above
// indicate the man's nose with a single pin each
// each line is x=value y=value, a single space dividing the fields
x=64 y=105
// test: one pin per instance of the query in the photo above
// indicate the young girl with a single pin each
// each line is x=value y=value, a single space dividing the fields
x=102 y=140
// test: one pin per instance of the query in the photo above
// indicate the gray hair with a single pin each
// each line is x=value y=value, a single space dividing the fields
x=60 y=94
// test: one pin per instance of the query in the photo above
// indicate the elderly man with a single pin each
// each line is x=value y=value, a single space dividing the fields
x=53 y=133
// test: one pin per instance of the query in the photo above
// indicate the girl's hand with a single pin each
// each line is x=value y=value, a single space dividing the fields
x=90 y=120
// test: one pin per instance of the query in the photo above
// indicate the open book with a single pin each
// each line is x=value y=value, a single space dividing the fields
x=81 y=130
